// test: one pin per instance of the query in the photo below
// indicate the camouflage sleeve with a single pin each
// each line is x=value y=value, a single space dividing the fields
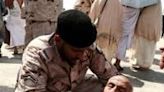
x=101 y=67
x=83 y=5
x=32 y=76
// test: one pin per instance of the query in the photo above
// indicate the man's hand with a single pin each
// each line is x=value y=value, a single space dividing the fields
x=161 y=63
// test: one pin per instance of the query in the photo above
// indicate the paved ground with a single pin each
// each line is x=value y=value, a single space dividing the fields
x=143 y=81
x=8 y=72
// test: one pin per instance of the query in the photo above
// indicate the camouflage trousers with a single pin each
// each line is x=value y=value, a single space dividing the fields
x=89 y=84
x=35 y=29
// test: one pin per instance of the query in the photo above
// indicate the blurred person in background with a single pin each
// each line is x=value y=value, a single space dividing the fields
x=41 y=17
x=162 y=2
x=83 y=5
x=107 y=16
x=147 y=33
x=129 y=21
x=15 y=25
x=3 y=11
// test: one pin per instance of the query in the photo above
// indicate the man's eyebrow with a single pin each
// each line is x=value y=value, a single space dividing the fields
x=110 y=83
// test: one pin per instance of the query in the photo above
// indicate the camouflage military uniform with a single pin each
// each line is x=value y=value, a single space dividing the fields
x=83 y=5
x=41 y=16
x=43 y=70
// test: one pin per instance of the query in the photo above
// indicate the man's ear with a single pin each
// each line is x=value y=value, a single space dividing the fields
x=57 y=38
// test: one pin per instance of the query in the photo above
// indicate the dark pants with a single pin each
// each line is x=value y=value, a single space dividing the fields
x=2 y=32
x=1 y=40
x=7 y=36
x=163 y=26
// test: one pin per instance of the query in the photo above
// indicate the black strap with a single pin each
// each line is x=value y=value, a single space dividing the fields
x=96 y=22
x=103 y=7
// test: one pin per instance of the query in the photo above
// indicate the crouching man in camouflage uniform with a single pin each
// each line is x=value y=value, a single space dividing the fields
x=58 y=62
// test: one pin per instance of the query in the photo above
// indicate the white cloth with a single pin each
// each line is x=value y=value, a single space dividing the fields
x=162 y=2
x=16 y=25
x=68 y=4
x=144 y=57
x=139 y=3
x=130 y=17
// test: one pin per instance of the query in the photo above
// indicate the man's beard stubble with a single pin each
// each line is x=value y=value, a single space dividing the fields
x=64 y=57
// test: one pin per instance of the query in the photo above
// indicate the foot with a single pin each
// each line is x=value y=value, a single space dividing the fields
x=136 y=67
x=119 y=68
x=15 y=51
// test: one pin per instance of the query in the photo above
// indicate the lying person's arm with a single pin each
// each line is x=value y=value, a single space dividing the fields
x=101 y=67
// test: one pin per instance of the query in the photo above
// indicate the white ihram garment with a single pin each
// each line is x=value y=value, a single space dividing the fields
x=16 y=25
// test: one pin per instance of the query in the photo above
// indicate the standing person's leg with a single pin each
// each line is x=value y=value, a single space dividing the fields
x=163 y=25
x=1 y=40
x=7 y=36
x=0 y=47
x=29 y=33
x=130 y=17
x=145 y=51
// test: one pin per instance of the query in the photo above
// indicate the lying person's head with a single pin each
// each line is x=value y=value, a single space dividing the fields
x=118 y=83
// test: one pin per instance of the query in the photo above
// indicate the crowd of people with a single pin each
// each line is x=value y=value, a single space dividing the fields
x=61 y=45
x=121 y=27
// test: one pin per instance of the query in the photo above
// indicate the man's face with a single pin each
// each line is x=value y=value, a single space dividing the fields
x=117 y=84
x=71 y=54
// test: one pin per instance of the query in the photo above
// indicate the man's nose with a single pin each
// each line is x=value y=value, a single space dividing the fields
x=82 y=56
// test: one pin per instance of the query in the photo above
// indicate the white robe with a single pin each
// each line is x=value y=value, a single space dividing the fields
x=16 y=25
x=130 y=17
x=147 y=33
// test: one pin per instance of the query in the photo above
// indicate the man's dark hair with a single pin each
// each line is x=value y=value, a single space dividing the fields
x=76 y=28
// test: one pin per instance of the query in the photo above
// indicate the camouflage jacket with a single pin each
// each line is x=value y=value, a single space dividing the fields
x=42 y=10
x=83 y=5
x=43 y=70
